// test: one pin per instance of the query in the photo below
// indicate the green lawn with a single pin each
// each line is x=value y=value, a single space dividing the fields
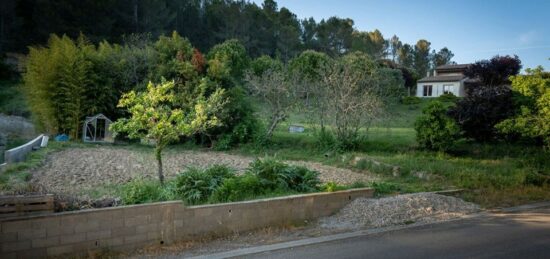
x=493 y=174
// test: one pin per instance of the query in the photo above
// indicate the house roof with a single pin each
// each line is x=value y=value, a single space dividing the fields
x=453 y=67
x=97 y=116
x=442 y=78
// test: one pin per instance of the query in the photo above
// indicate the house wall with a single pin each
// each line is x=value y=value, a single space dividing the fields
x=132 y=227
x=437 y=88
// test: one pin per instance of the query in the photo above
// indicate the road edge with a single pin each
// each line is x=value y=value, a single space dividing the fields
x=367 y=232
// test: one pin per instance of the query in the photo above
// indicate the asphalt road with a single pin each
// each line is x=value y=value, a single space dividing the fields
x=524 y=234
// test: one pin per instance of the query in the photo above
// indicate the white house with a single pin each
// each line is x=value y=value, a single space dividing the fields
x=446 y=79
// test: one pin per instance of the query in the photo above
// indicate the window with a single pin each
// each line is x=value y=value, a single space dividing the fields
x=427 y=90
x=447 y=89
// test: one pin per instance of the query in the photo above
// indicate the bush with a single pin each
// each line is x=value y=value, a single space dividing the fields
x=142 y=191
x=434 y=129
x=239 y=188
x=478 y=113
x=277 y=175
x=448 y=97
x=410 y=100
x=195 y=185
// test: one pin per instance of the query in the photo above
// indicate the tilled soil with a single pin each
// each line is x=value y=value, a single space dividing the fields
x=74 y=171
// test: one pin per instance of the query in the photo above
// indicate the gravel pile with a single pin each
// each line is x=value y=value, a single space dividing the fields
x=75 y=171
x=397 y=210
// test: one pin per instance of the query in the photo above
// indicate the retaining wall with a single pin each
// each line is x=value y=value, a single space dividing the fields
x=132 y=227
x=19 y=153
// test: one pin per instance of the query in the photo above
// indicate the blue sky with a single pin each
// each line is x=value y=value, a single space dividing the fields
x=472 y=29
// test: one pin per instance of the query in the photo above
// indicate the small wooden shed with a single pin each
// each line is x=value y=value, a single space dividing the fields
x=96 y=129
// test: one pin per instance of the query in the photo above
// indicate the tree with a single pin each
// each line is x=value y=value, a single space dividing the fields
x=334 y=36
x=494 y=72
x=395 y=45
x=434 y=129
x=442 y=57
x=227 y=61
x=278 y=90
x=532 y=120
x=351 y=96
x=422 y=57
x=308 y=67
x=153 y=117
x=479 y=112
x=405 y=56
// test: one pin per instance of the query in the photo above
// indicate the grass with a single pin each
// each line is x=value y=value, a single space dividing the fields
x=493 y=174
x=14 y=179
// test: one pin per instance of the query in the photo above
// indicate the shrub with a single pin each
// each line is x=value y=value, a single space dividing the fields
x=195 y=185
x=142 y=191
x=239 y=188
x=448 y=97
x=479 y=112
x=277 y=175
x=410 y=100
x=434 y=129
x=381 y=188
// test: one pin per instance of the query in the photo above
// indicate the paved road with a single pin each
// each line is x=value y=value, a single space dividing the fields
x=505 y=235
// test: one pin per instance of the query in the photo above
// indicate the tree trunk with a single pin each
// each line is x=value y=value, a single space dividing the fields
x=158 y=156
x=274 y=122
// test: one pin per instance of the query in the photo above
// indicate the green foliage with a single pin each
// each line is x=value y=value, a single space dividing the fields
x=533 y=118
x=384 y=188
x=195 y=186
x=264 y=63
x=410 y=100
x=277 y=175
x=227 y=61
x=12 y=100
x=58 y=83
x=434 y=129
x=142 y=191
x=309 y=65
x=483 y=108
x=239 y=188
x=448 y=97
x=154 y=116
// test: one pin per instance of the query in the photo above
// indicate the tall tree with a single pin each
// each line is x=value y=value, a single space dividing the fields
x=422 y=57
x=495 y=71
x=395 y=45
x=335 y=35
x=405 y=56
x=442 y=57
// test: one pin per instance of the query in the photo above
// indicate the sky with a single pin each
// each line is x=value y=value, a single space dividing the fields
x=471 y=29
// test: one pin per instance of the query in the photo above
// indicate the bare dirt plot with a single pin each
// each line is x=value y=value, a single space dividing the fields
x=72 y=171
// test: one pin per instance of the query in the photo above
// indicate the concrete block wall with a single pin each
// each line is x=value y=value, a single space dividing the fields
x=132 y=227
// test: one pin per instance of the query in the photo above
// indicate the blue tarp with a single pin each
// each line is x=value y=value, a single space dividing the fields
x=62 y=137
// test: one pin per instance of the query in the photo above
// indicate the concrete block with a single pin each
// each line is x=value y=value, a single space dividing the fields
x=16 y=226
x=123 y=231
x=111 y=242
x=45 y=242
x=61 y=230
x=32 y=253
x=86 y=226
x=135 y=220
x=29 y=234
x=16 y=246
x=148 y=228
x=102 y=234
x=9 y=255
x=8 y=237
x=71 y=239
x=135 y=239
x=59 y=250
